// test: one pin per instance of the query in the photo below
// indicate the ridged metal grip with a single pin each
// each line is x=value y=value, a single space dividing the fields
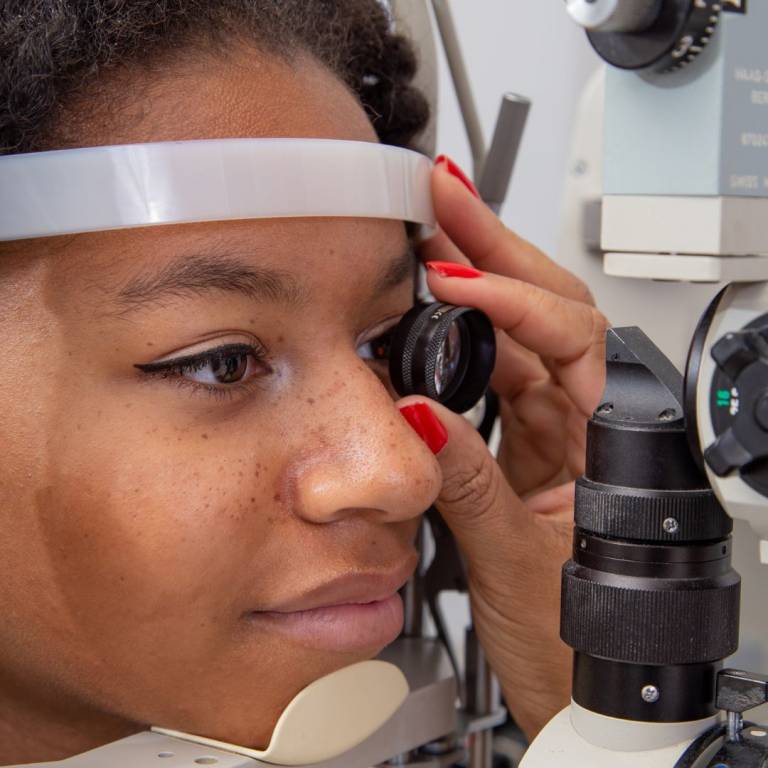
x=649 y=621
x=639 y=515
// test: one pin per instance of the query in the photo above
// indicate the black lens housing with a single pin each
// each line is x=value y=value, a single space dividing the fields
x=649 y=598
x=417 y=341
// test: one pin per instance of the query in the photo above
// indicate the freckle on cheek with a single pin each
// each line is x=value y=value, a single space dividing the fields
x=204 y=436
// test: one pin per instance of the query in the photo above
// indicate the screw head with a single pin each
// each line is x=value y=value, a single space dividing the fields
x=650 y=694
x=671 y=525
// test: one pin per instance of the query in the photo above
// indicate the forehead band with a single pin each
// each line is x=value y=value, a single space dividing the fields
x=70 y=191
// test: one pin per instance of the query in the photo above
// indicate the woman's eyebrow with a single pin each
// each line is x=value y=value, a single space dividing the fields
x=396 y=272
x=199 y=275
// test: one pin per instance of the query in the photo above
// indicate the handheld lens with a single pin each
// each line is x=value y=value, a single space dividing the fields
x=444 y=352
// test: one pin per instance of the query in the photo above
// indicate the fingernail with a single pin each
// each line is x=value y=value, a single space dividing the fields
x=452 y=269
x=426 y=425
x=454 y=170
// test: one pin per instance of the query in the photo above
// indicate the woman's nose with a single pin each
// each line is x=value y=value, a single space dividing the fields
x=362 y=458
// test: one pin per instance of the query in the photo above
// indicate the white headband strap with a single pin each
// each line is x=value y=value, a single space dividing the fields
x=137 y=185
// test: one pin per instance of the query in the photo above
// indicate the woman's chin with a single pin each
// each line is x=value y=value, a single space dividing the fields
x=251 y=707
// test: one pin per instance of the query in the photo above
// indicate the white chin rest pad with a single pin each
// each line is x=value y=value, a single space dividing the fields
x=327 y=718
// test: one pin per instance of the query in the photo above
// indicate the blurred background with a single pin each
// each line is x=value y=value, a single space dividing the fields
x=534 y=49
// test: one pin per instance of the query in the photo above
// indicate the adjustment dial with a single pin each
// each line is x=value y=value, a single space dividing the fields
x=660 y=36
x=739 y=405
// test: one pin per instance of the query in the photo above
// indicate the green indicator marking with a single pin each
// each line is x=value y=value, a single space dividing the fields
x=723 y=398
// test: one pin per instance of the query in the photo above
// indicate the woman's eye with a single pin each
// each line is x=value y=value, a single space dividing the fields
x=226 y=368
x=217 y=368
x=376 y=349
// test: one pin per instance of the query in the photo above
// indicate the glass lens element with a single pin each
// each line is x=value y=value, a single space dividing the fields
x=447 y=361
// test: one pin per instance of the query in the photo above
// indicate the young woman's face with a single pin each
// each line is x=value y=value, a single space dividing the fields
x=198 y=457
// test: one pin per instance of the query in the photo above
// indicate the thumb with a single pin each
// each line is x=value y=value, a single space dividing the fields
x=486 y=516
x=513 y=566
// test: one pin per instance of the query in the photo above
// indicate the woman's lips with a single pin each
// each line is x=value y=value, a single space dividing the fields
x=352 y=612
x=345 y=627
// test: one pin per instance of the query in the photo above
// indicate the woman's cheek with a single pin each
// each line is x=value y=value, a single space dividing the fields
x=155 y=529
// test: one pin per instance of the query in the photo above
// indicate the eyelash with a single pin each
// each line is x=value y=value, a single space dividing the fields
x=178 y=368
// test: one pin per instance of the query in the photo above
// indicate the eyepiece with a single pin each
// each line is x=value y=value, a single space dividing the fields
x=444 y=352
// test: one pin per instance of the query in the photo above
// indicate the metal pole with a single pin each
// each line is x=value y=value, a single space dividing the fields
x=507 y=137
x=482 y=699
x=413 y=595
x=469 y=115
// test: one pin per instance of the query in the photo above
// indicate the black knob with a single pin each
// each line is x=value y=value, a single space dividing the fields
x=739 y=691
x=680 y=31
x=739 y=405
x=727 y=454
x=734 y=352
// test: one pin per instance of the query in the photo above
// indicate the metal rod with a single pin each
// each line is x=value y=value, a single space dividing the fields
x=413 y=595
x=505 y=147
x=467 y=105
x=482 y=693
x=734 y=726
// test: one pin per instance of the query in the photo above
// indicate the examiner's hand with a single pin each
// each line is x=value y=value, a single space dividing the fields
x=513 y=518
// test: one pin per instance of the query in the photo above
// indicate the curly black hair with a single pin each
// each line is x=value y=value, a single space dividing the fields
x=53 y=50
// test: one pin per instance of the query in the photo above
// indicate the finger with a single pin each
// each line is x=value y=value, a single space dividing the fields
x=517 y=368
x=513 y=560
x=481 y=236
x=555 y=503
x=475 y=500
x=570 y=332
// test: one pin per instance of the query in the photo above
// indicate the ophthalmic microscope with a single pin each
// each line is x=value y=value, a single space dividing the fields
x=650 y=601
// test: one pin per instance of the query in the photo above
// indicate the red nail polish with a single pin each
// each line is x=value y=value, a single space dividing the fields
x=454 y=170
x=426 y=425
x=452 y=269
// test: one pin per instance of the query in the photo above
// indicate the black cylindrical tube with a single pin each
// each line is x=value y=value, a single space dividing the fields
x=650 y=602
x=650 y=693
